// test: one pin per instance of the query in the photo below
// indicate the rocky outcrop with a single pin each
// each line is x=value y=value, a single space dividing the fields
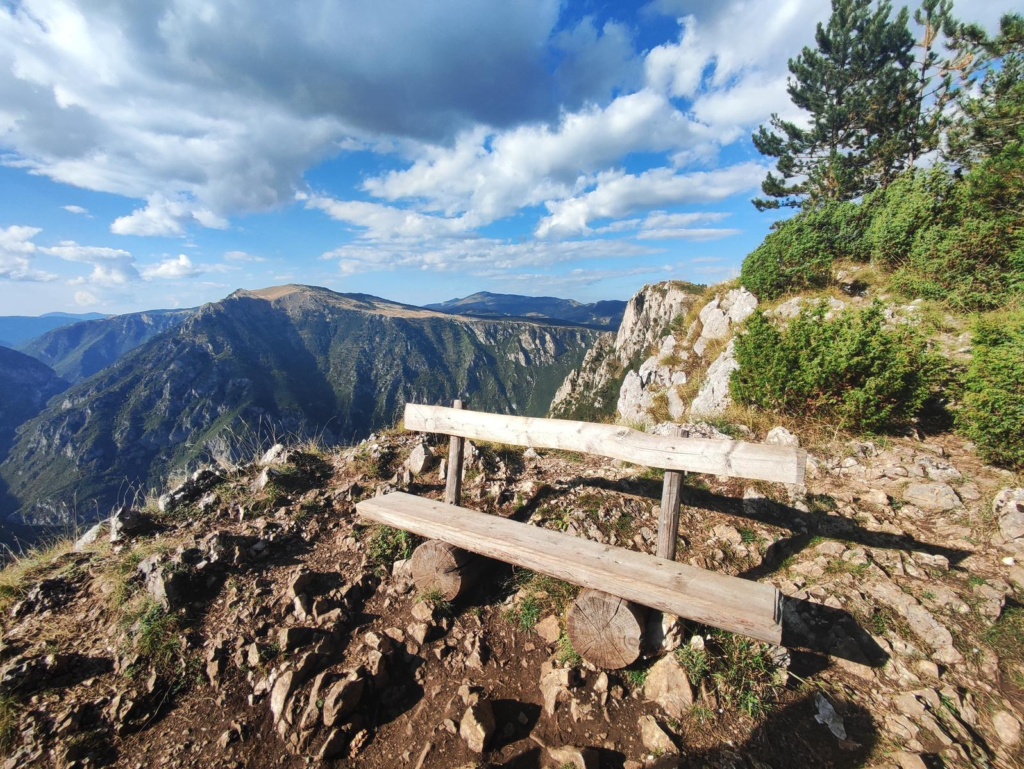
x=648 y=313
x=654 y=391
x=26 y=385
x=595 y=388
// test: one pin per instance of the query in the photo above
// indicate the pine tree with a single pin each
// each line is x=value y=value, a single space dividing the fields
x=857 y=87
x=938 y=75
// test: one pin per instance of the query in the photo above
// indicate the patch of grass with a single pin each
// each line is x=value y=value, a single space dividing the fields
x=659 y=410
x=1006 y=637
x=526 y=614
x=24 y=570
x=636 y=677
x=440 y=604
x=388 y=545
x=9 y=709
x=566 y=652
x=739 y=671
x=702 y=713
x=155 y=635
x=671 y=360
x=975 y=581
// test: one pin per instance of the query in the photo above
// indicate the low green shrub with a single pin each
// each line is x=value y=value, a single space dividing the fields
x=993 y=397
x=798 y=253
x=852 y=369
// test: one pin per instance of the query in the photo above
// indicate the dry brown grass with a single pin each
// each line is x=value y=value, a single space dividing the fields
x=25 y=569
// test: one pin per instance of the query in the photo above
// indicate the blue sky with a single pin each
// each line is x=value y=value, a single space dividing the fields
x=163 y=155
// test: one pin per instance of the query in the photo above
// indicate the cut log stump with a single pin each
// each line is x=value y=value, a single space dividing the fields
x=442 y=569
x=605 y=630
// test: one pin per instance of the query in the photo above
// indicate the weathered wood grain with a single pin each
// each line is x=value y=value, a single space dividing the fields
x=730 y=603
x=782 y=464
x=607 y=631
x=453 y=477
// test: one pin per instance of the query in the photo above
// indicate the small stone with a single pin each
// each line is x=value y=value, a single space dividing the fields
x=907 y=760
x=421 y=460
x=578 y=758
x=477 y=725
x=1007 y=728
x=668 y=685
x=290 y=638
x=549 y=629
x=655 y=738
x=782 y=437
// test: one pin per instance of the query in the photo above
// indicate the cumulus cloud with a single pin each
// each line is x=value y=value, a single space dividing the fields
x=110 y=266
x=175 y=268
x=16 y=251
x=130 y=98
x=618 y=194
x=77 y=210
x=381 y=222
x=86 y=299
x=481 y=257
x=164 y=216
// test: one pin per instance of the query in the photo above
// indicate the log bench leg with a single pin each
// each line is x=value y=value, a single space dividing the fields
x=606 y=630
x=443 y=569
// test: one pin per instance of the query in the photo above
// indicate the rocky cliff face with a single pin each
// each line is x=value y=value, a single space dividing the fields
x=591 y=391
x=78 y=351
x=26 y=386
x=287 y=361
x=655 y=370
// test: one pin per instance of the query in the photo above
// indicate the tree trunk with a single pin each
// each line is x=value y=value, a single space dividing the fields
x=605 y=630
x=442 y=569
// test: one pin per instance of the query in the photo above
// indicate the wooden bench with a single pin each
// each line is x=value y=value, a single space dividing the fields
x=606 y=620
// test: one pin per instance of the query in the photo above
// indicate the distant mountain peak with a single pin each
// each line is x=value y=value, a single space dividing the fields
x=606 y=314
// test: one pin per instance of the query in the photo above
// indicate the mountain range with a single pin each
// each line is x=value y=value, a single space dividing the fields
x=232 y=375
x=605 y=314
x=18 y=329
x=82 y=349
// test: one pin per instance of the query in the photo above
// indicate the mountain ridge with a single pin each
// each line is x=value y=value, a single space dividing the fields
x=293 y=359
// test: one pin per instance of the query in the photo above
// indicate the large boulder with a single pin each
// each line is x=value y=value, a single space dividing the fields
x=713 y=397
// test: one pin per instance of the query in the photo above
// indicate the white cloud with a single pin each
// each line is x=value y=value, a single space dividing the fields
x=618 y=194
x=381 y=222
x=489 y=176
x=482 y=256
x=86 y=299
x=77 y=210
x=110 y=266
x=167 y=217
x=172 y=269
x=242 y=256
x=16 y=251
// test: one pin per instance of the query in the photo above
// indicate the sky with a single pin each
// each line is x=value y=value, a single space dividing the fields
x=157 y=155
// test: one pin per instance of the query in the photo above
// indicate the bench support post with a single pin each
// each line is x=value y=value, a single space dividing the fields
x=453 y=477
x=668 y=520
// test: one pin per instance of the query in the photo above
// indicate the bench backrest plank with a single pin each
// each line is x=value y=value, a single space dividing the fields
x=729 y=603
x=781 y=464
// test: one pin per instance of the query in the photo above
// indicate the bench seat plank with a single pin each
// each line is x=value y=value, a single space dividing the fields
x=730 y=603
x=781 y=464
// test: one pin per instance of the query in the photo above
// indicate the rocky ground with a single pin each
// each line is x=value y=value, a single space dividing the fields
x=250 y=620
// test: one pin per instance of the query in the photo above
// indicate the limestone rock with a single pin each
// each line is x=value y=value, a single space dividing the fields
x=1007 y=728
x=578 y=758
x=713 y=396
x=477 y=725
x=668 y=686
x=549 y=629
x=342 y=698
x=932 y=497
x=655 y=738
x=1008 y=507
x=782 y=437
